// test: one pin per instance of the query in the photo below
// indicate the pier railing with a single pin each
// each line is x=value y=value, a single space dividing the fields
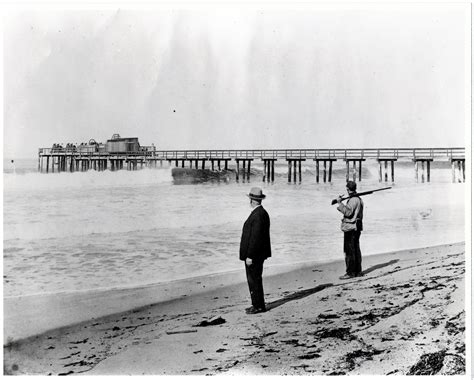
x=71 y=159
x=412 y=153
x=387 y=153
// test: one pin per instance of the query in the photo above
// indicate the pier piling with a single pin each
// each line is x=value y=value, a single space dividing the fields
x=296 y=163
x=289 y=170
x=327 y=173
x=423 y=161
x=94 y=157
x=460 y=165
x=246 y=162
x=269 y=169
x=293 y=163
x=354 y=168
x=383 y=164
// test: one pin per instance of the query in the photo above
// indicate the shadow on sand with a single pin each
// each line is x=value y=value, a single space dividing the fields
x=378 y=266
x=307 y=292
x=296 y=296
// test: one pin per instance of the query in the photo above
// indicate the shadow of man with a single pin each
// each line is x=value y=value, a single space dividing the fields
x=307 y=292
x=378 y=266
x=296 y=296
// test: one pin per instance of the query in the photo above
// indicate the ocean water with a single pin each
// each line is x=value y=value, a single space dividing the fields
x=72 y=232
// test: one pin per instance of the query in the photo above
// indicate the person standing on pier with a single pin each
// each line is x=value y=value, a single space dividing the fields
x=351 y=225
x=255 y=248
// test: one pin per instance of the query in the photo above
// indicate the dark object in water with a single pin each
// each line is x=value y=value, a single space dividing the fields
x=188 y=175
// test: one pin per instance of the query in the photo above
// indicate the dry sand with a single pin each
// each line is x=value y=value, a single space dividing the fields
x=406 y=315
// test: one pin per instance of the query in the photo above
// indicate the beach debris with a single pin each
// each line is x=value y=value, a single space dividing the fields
x=116 y=328
x=360 y=355
x=79 y=363
x=303 y=366
x=200 y=369
x=80 y=341
x=429 y=364
x=337 y=373
x=211 y=322
x=221 y=350
x=370 y=316
x=65 y=374
x=271 y=350
x=342 y=333
x=181 y=331
x=328 y=316
x=293 y=342
x=425 y=213
x=453 y=326
x=70 y=356
x=197 y=352
x=310 y=355
x=453 y=365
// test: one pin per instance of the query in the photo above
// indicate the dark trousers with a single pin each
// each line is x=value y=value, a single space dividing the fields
x=352 y=253
x=254 y=279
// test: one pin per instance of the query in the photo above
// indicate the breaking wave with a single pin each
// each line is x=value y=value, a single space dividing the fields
x=89 y=179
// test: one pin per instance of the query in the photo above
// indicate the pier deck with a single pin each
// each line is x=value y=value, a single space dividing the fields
x=71 y=160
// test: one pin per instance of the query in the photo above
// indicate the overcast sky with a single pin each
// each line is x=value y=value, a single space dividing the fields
x=237 y=79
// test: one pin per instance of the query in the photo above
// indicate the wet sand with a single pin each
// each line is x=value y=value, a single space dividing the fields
x=406 y=315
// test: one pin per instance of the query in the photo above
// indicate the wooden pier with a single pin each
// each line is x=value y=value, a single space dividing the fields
x=52 y=160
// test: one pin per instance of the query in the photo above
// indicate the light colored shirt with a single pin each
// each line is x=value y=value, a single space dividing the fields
x=352 y=211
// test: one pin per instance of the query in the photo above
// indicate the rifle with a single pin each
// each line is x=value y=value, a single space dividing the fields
x=334 y=201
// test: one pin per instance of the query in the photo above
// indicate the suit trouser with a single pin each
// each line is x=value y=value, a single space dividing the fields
x=254 y=279
x=352 y=253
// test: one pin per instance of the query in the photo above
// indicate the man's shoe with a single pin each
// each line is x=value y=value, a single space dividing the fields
x=345 y=277
x=255 y=310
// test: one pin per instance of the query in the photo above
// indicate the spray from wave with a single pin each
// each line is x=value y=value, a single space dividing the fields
x=86 y=180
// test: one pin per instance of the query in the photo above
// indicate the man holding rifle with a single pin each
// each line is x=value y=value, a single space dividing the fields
x=351 y=225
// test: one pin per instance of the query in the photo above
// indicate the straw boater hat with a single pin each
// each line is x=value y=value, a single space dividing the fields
x=256 y=193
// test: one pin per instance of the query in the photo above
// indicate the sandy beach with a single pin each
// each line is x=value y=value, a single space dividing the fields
x=406 y=315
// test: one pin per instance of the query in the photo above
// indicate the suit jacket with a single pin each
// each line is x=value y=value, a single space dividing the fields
x=255 y=241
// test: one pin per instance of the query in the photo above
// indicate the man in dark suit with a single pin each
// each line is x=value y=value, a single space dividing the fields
x=255 y=248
